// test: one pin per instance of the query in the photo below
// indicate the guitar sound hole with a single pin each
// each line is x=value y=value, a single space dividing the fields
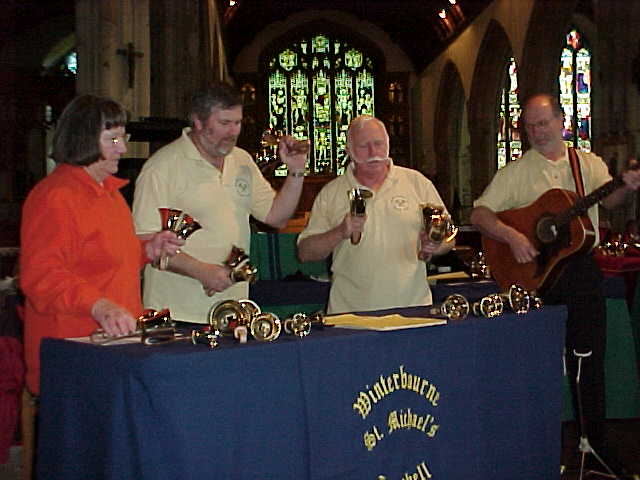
x=547 y=230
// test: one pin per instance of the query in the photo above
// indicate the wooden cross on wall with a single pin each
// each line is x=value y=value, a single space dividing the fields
x=131 y=54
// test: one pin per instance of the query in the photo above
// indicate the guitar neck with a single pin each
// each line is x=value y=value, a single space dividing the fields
x=584 y=203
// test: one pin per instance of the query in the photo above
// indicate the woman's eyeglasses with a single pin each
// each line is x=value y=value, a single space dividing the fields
x=121 y=139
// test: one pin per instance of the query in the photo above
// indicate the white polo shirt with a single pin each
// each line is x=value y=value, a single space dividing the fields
x=522 y=182
x=177 y=176
x=383 y=270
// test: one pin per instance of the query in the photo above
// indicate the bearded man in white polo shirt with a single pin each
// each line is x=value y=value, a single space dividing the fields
x=386 y=269
x=206 y=176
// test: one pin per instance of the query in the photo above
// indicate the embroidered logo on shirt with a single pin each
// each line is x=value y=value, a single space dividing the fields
x=242 y=187
x=400 y=203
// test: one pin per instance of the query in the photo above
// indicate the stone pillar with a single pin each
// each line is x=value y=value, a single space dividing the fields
x=186 y=53
x=113 y=51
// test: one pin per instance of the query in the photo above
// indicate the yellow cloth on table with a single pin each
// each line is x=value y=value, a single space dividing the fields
x=384 y=323
x=447 y=277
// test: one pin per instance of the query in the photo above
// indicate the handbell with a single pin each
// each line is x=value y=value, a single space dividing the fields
x=490 y=306
x=205 y=336
x=267 y=158
x=536 y=302
x=271 y=138
x=517 y=299
x=241 y=269
x=266 y=327
x=178 y=222
x=357 y=205
x=226 y=315
x=153 y=327
x=438 y=224
x=318 y=320
x=455 y=307
x=299 y=325
x=153 y=319
x=478 y=268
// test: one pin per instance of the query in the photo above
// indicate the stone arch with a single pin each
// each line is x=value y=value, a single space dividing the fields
x=248 y=61
x=543 y=44
x=447 y=133
x=493 y=58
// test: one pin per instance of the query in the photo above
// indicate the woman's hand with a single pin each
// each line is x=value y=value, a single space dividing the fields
x=114 y=319
x=164 y=243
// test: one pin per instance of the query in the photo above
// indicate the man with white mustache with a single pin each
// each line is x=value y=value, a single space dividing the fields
x=206 y=176
x=387 y=268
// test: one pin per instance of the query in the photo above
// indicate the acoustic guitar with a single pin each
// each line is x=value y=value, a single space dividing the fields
x=557 y=225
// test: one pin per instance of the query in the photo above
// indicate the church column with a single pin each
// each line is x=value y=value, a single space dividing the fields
x=113 y=51
x=180 y=54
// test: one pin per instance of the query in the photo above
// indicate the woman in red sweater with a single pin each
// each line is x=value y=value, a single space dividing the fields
x=80 y=259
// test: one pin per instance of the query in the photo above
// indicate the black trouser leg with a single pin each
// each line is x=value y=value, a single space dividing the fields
x=580 y=289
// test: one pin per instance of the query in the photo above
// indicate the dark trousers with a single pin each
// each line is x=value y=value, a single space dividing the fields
x=579 y=287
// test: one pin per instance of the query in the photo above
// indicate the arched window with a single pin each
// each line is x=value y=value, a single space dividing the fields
x=316 y=86
x=67 y=65
x=509 y=142
x=575 y=91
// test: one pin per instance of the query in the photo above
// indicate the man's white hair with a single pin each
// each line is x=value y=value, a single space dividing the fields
x=358 y=124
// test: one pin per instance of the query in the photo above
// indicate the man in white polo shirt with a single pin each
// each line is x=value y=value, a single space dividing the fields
x=387 y=267
x=206 y=176
x=579 y=286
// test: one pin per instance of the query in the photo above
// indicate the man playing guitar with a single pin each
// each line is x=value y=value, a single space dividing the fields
x=544 y=167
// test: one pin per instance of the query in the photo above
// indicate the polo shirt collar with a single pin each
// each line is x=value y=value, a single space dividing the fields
x=554 y=163
x=190 y=150
x=188 y=147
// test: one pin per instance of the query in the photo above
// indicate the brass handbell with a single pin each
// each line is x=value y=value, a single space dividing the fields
x=490 y=306
x=205 y=336
x=455 y=307
x=153 y=327
x=267 y=158
x=226 y=315
x=477 y=267
x=536 y=301
x=178 y=222
x=266 y=327
x=357 y=205
x=299 y=325
x=241 y=269
x=438 y=224
x=517 y=299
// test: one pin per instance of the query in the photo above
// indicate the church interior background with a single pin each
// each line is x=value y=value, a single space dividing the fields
x=446 y=76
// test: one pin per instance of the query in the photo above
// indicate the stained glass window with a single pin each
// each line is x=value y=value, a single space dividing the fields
x=67 y=65
x=509 y=142
x=575 y=91
x=317 y=85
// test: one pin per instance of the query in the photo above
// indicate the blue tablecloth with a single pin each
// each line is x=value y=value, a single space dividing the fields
x=475 y=399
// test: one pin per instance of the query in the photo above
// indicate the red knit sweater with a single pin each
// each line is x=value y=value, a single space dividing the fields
x=78 y=244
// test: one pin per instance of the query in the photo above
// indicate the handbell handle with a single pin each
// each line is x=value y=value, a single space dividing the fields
x=453 y=231
x=355 y=238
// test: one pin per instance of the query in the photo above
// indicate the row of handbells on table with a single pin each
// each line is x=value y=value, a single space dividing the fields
x=229 y=318
x=241 y=318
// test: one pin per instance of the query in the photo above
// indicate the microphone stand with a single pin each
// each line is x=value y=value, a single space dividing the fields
x=584 y=446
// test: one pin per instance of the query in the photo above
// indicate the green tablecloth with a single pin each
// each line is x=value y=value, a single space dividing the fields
x=275 y=256
x=621 y=366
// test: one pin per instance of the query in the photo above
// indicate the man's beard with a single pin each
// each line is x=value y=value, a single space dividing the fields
x=225 y=146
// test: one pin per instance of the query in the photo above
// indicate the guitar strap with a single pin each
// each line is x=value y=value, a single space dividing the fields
x=577 y=171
